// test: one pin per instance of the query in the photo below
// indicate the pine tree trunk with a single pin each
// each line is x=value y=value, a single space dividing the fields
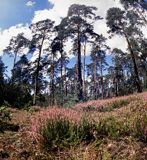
x=65 y=81
x=95 y=77
x=62 y=79
x=84 y=69
x=137 y=80
x=52 y=82
x=102 y=84
x=14 y=62
x=36 y=88
x=79 y=66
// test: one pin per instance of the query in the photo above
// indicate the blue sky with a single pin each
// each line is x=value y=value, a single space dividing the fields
x=14 y=12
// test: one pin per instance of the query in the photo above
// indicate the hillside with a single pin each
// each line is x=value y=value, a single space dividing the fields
x=96 y=130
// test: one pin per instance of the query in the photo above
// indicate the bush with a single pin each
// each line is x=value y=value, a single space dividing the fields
x=112 y=128
x=60 y=133
x=139 y=127
x=90 y=108
x=16 y=95
x=4 y=114
x=116 y=104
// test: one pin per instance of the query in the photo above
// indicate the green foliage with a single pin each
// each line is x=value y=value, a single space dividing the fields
x=114 y=105
x=32 y=109
x=70 y=100
x=16 y=95
x=139 y=127
x=5 y=115
x=112 y=128
x=90 y=108
x=61 y=133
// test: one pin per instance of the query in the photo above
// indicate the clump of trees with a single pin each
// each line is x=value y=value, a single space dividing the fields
x=49 y=79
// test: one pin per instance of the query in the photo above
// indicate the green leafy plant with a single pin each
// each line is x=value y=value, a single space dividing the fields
x=139 y=127
x=116 y=104
x=4 y=114
x=112 y=128
x=61 y=133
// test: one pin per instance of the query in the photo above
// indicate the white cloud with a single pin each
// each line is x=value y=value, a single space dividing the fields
x=47 y=14
x=30 y=3
x=7 y=34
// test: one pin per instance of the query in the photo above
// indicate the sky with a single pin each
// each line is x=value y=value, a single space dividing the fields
x=17 y=15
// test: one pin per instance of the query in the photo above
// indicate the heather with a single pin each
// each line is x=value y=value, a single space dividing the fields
x=61 y=131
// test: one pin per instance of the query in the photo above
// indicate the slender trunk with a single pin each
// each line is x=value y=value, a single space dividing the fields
x=62 y=79
x=79 y=66
x=15 y=57
x=84 y=70
x=102 y=84
x=76 y=79
x=95 y=77
x=116 y=87
x=65 y=81
x=36 y=88
x=14 y=62
x=137 y=80
x=52 y=82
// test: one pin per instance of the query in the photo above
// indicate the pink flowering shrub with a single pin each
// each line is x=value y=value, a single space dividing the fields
x=54 y=128
x=107 y=104
x=40 y=119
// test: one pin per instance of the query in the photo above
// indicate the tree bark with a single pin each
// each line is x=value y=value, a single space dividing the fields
x=52 y=82
x=79 y=66
x=36 y=88
x=95 y=77
x=61 y=72
x=65 y=81
x=137 y=80
x=84 y=70
x=102 y=81
x=14 y=62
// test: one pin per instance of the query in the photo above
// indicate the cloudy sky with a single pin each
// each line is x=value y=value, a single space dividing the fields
x=16 y=15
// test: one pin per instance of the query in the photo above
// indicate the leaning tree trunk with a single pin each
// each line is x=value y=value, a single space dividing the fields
x=36 y=88
x=137 y=80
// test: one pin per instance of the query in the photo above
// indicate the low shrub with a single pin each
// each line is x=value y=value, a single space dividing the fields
x=4 y=114
x=139 y=127
x=112 y=128
x=113 y=105
x=90 y=108
x=62 y=133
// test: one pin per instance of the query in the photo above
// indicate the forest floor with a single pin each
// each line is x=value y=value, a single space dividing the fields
x=16 y=145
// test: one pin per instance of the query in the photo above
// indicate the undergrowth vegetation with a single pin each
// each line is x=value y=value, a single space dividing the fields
x=58 y=128
x=5 y=114
x=118 y=130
